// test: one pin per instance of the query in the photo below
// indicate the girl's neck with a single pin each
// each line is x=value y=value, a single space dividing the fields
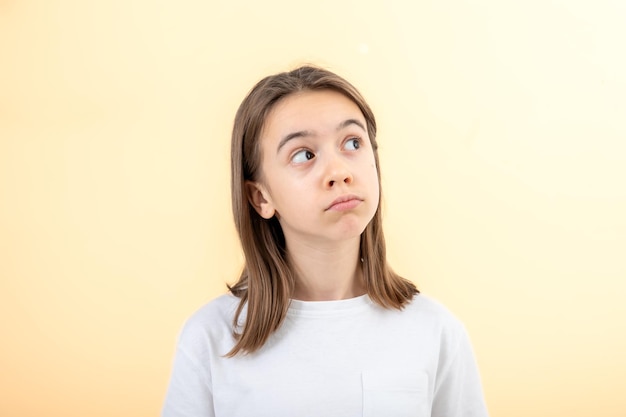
x=329 y=272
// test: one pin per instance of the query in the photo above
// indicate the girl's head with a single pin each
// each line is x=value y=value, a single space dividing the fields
x=246 y=152
x=267 y=281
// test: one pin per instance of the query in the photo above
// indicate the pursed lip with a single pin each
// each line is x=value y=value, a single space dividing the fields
x=344 y=199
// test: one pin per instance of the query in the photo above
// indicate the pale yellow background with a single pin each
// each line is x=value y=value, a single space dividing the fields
x=502 y=134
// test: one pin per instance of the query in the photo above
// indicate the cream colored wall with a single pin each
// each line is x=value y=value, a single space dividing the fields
x=503 y=151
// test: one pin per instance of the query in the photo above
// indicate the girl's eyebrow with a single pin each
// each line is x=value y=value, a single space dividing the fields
x=308 y=133
x=299 y=134
x=349 y=122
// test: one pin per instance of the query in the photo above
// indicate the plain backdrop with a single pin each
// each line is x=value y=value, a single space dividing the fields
x=503 y=150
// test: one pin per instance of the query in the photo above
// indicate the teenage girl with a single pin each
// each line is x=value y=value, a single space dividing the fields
x=317 y=324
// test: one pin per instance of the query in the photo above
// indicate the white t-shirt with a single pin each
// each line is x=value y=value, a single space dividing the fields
x=347 y=358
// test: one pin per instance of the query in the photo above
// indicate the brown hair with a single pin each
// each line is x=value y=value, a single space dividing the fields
x=267 y=281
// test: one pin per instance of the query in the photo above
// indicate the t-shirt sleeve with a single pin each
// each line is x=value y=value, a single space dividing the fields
x=190 y=393
x=458 y=389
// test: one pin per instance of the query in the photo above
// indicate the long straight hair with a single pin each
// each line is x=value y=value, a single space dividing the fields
x=267 y=281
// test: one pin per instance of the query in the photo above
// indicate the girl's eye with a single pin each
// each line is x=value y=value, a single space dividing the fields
x=302 y=156
x=353 y=144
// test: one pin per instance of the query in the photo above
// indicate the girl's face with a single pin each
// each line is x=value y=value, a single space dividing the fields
x=318 y=172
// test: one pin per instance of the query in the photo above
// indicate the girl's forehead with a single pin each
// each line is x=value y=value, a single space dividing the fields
x=304 y=108
x=308 y=98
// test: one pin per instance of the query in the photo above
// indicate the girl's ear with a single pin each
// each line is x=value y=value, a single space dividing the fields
x=260 y=199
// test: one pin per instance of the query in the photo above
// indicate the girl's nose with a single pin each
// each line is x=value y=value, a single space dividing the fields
x=337 y=172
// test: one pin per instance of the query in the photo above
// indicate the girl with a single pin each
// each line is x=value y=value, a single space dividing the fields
x=317 y=324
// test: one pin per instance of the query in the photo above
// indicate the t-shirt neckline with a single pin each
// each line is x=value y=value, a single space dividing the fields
x=326 y=308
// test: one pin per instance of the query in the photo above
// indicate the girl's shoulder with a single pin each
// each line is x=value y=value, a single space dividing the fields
x=221 y=308
x=429 y=311
x=212 y=321
x=425 y=304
